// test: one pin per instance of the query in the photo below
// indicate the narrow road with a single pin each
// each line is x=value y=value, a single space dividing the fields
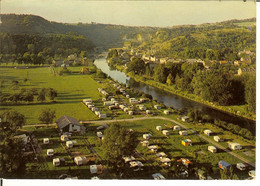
x=161 y=118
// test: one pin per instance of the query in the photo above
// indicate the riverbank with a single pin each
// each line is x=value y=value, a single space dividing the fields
x=189 y=96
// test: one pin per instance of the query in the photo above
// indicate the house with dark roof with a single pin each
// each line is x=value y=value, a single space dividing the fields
x=70 y=124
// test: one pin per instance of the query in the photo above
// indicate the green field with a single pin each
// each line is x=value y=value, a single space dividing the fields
x=71 y=90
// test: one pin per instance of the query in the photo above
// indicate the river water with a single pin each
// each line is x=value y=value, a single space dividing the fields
x=172 y=100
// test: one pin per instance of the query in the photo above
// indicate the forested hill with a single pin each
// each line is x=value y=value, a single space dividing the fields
x=102 y=35
x=205 y=41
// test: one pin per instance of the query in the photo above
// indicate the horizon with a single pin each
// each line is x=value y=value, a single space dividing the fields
x=133 y=13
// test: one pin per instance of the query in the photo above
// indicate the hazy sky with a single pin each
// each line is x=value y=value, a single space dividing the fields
x=134 y=13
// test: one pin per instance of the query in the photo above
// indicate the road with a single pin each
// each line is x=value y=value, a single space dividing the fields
x=161 y=118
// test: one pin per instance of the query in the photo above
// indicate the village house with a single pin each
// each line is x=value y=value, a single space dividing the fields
x=208 y=132
x=186 y=142
x=224 y=165
x=217 y=139
x=159 y=128
x=234 y=146
x=212 y=149
x=165 y=132
x=177 y=128
x=50 y=152
x=185 y=118
x=183 y=133
x=69 y=124
x=96 y=169
x=58 y=162
x=64 y=137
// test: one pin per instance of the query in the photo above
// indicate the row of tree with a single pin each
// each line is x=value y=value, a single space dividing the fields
x=28 y=95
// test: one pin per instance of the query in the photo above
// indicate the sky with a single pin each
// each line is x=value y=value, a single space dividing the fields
x=133 y=13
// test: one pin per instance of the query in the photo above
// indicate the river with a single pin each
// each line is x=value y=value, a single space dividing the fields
x=172 y=100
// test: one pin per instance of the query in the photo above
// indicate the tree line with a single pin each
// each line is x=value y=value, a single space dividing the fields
x=218 y=85
x=41 y=49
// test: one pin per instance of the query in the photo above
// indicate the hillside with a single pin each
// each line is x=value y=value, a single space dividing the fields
x=102 y=35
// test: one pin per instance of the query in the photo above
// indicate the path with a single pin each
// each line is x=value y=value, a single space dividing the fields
x=162 y=118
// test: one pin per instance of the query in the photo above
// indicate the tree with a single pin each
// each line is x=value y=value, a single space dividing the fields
x=51 y=93
x=47 y=116
x=12 y=120
x=250 y=93
x=12 y=161
x=170 y=79
x=118 y=142
x=41 y=96
x=137 y=65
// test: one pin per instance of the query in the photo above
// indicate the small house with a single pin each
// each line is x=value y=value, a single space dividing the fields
x=80 y=160
x=102 y=116
x=69 y=124
x=87 y=100
x=158 y=176
x=157 y=107
x=102 y=127
x=148 y=112
x=224 y=165
x=136 y=165
x=159 y=128
x=100 y=135
x=165 y=132
x=241 y=166
x=50 y=152
x=97 y=112
x=166 y=112
x=108 y=103
x=165 y=161
x=128 y=159
x=186 y=142
x=185 y=161
x=177 y=128
x=142 y=107
x=133 y=101
x=212 y=149
x=64 y=137
x=58 y=162
x=234 y=146
x=90 y=106
x=130 y=112
x=252 y=173
x=147 y=136
x=153 y=148
x=183 y=133
x=185 y=118
x=217 y=139
x=93 y=109
x=161 y=154
x=145 y=143
x=96 y=169
x=46 y=141
x=208 y=132
x=69 y=144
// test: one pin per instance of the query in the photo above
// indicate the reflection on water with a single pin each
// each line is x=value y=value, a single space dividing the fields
x=172 y=100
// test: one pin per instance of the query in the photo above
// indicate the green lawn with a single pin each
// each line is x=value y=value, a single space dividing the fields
x=71 y=90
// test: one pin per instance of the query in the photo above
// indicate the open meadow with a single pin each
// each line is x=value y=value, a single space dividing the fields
x=71 y=90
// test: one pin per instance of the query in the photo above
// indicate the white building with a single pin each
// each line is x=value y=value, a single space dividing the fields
x=212 y=149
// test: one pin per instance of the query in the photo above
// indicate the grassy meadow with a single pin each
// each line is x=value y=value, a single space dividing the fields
x=71 y=90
